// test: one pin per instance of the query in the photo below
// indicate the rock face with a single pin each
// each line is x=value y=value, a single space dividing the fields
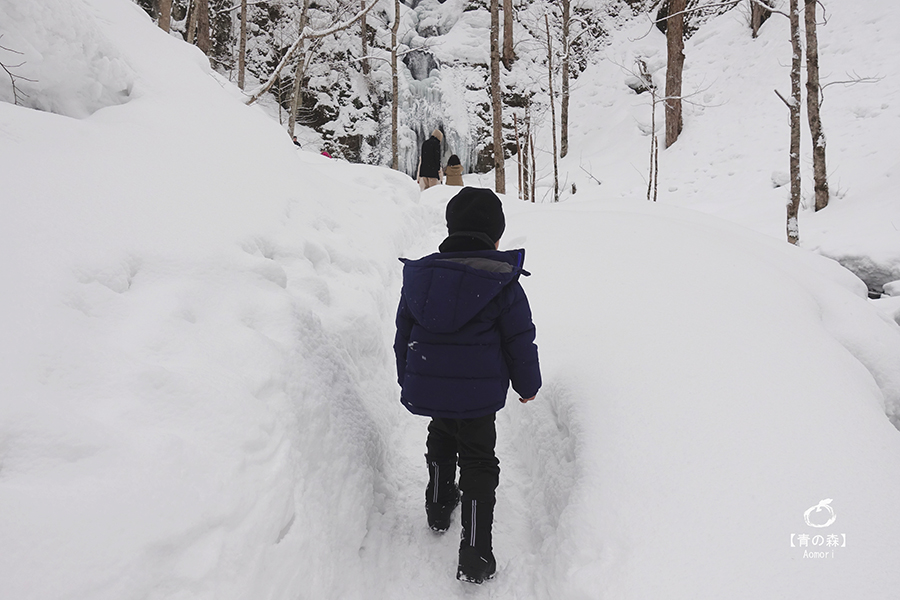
x=420 y=64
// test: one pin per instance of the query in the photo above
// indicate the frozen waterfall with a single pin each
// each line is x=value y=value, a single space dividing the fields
x=432 y=94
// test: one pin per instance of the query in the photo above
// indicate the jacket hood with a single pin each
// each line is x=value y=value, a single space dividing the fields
x=445 y=290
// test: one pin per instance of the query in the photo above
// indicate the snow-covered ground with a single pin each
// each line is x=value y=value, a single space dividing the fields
x=736 y=133
x=197 y=396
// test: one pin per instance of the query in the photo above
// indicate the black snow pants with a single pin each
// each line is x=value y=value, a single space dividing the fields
x=470 y=444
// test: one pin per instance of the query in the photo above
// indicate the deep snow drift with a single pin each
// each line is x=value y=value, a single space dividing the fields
x=198 y=396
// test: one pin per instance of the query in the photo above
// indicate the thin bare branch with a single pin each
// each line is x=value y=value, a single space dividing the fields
x=853 y=81
x=824 y=13
x=786 y=103
x=13 y=78
x=11 y=50
x=589 y=174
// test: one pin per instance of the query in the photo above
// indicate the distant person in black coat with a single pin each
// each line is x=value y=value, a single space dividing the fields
x=296 y=143
x=429 y=172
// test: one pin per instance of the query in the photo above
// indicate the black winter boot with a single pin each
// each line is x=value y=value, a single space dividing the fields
x=476 y=558
x=441 y=495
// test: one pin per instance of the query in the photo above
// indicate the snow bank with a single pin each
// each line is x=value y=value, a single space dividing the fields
x=704 y=386
x=61 y=60
x=193 y=317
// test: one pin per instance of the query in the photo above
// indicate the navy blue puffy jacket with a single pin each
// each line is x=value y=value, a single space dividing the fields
x=464 y=330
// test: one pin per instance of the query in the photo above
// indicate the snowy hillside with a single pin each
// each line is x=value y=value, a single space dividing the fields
x=736 y=133
x=197 y=392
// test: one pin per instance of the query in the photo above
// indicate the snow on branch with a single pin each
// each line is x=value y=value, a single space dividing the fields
x=763 y=4
x=655 y=22
x=306 y=34
x=729 y=4
x=424 y=48
x=789 y=103
x=238 y=6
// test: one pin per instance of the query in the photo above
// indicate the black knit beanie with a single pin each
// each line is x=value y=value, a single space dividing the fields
x=476 y=210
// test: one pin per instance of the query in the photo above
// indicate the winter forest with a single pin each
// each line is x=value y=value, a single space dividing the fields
x=339 y=86
x=198 y=393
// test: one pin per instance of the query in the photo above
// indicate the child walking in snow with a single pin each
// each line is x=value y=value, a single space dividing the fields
x=464 y=331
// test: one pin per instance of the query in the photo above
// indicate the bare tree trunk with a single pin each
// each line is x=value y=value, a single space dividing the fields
x=793 y=208
x=533 y=166
x=564 y=106
x=497 y=109
x=242 y=47
x=203 y=41
x=654 y=149
x=509 y=55
x=655 y=168
x=518 y=155
x=674 y=69
x=165 y=15
x=526 y=153
x=552 y=108
x=758 y=15
x=192 y=22
x=820 y=175
x=395 y=90
x=364 y=38
x=297 y=92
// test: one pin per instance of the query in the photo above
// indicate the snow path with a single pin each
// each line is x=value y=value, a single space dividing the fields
x=615 y=474
x=536 y=450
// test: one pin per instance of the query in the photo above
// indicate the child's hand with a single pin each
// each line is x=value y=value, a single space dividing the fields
x=524 y=400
